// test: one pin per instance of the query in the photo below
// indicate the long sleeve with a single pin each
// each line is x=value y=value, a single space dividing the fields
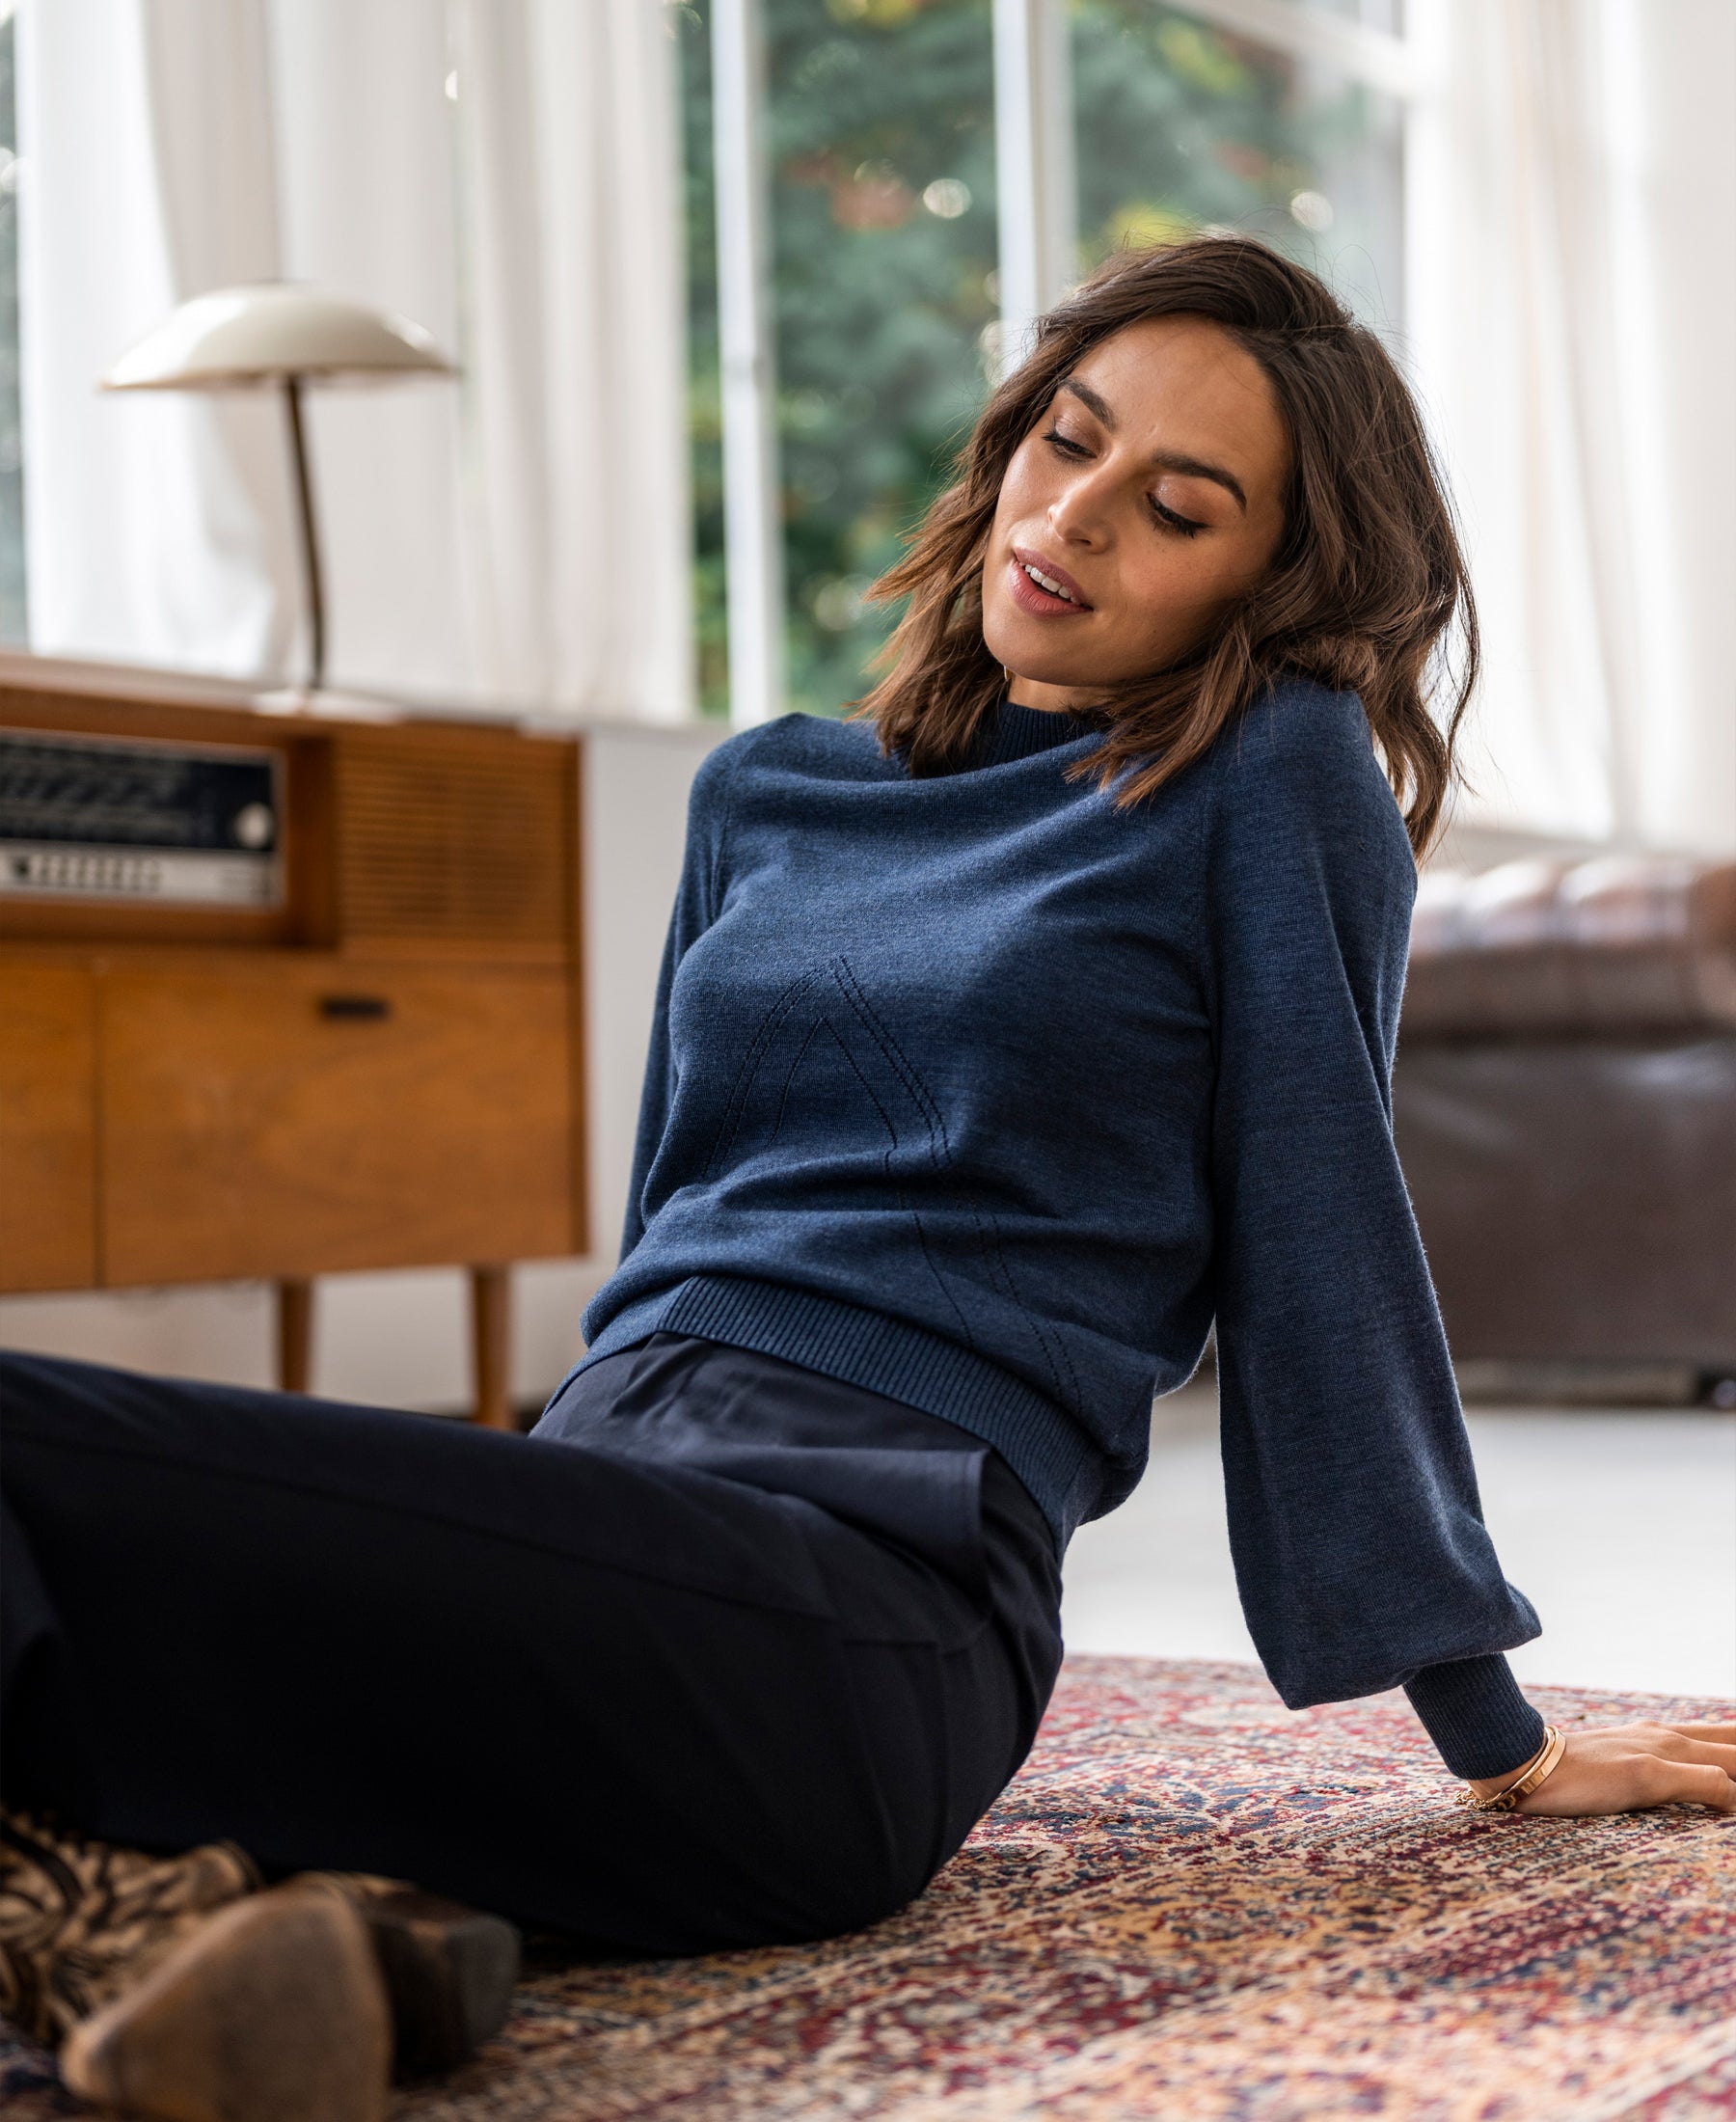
x=1359 y=1550
x=698 y=898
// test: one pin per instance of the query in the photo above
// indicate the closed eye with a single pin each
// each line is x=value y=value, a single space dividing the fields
x=1064 y=444
x=1168 y=520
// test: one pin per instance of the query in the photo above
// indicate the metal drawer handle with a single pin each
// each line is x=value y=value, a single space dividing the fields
x=354 y=1008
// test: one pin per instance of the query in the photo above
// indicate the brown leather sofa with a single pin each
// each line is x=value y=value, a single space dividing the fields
x=1565 y=1110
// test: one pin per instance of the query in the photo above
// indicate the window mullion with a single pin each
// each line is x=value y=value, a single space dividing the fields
x=752 y=519
x=1033 y=165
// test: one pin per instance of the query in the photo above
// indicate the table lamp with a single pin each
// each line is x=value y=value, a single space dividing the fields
x=278 y=332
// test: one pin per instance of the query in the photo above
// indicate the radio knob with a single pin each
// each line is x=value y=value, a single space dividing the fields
x=252 y=825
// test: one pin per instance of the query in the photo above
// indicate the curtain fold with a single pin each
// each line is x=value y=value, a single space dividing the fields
x=1542 y=286
x=367 y=176
x=506 y=172
x=575 y=344
x=148 y=520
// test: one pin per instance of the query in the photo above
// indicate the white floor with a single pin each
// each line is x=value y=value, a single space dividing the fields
x=1620 y=1526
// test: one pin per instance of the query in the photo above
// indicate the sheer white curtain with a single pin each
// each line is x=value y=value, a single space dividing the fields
x=145 y=533
x=506 y=172
x=1571 y=195
x=575 y=327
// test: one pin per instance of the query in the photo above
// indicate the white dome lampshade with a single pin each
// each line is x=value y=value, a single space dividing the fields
x=239 y=336
x=282 y=333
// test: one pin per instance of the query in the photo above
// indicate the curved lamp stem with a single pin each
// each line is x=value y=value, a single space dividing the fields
x=309 y=536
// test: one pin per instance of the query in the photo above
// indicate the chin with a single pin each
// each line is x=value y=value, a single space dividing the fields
x=1041 y=660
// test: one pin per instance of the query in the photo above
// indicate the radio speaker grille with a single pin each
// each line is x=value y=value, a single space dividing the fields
x=461 y=836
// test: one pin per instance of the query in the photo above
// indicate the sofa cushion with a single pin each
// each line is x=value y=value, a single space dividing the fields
x=1619 y=944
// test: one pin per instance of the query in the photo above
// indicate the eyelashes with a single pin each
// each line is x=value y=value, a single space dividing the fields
x=1166 y=519
x=1183 y=526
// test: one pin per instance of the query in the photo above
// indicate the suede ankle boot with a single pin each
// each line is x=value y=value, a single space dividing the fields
x=450 y=1970
x=180 y=1988
x=80 y=1920
x=272 y=2010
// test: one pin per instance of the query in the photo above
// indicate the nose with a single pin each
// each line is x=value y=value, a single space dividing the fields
x=1080 y=512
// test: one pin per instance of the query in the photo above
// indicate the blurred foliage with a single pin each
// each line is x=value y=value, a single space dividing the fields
x=705 y=419
x=881 y=145
x=1192 y=126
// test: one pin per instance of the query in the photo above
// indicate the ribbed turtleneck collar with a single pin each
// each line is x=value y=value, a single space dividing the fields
x=1013 y=732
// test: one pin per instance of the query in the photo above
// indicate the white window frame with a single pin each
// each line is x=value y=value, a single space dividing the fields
x=752 y=517
x=1036 y=213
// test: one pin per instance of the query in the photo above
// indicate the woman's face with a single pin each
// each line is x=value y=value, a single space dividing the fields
x=1143 y=504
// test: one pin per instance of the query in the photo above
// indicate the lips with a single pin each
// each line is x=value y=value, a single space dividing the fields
x=1052 y=596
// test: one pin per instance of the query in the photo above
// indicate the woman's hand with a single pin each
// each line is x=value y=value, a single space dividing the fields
x=1629 y=1766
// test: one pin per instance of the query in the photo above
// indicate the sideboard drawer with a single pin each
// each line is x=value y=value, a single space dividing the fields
x=312 y=1115
x=47 y=1127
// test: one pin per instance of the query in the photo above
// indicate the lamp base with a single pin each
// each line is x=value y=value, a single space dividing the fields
x=325 y=699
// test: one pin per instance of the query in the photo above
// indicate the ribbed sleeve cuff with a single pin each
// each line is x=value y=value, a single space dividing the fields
x=1473 y=1712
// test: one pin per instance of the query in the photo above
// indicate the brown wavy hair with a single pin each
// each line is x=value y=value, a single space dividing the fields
x=1366 y=593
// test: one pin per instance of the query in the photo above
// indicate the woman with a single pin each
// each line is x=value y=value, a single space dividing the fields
x=993 y=1061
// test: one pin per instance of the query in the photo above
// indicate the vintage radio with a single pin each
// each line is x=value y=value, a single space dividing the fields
x=285 y=994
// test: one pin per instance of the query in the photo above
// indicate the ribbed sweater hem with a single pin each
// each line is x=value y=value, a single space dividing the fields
x=1052 y=1457
x=1473 y=1710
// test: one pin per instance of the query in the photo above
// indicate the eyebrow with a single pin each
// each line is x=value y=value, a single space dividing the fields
x=1167 y=460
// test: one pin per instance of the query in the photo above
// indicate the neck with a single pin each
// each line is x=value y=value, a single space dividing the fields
x=1048 y=699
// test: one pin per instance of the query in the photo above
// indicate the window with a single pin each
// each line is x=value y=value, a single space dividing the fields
x=878 y=129
x=869 y=274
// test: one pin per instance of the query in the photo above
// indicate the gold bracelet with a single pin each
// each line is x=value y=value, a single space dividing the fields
x=1536 y=1772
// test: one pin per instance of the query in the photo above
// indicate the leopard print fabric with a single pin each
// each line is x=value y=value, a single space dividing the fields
x=80 y=1920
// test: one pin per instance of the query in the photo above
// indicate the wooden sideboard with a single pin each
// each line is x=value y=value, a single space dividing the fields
x=284 y=995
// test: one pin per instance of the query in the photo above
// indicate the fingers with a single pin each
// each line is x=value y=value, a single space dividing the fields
x=1713 y=1734
x=1678 y=1746
x=1660 y=1781
x=1696 y=1785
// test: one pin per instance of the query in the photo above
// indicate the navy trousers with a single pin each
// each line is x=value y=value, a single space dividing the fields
x=727 y=1653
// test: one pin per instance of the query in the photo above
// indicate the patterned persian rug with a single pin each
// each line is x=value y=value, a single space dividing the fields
x=1193 y=1906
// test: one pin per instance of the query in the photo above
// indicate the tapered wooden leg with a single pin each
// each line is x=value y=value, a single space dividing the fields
x=491 y=1327
x=294 y=1335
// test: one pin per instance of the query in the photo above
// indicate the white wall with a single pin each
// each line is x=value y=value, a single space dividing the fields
x=401 y=1340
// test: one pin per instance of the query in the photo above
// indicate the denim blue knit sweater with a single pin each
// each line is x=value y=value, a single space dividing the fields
x=984 y=1094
